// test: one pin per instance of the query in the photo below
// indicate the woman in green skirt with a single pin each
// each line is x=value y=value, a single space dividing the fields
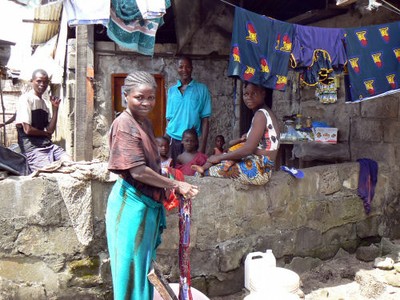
x=135 y=216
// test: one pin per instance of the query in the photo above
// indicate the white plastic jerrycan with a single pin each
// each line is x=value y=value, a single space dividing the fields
x=256 y=263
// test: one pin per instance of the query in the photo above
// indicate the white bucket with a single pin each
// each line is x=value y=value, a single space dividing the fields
x=197 y=295
x=274 y=279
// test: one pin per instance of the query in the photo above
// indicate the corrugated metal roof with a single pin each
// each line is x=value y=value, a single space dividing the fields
x=46 y=22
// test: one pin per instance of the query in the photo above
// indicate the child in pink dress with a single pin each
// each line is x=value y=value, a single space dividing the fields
x=190 y=156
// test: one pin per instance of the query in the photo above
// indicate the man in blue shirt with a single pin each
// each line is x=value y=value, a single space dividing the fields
x=188 y=106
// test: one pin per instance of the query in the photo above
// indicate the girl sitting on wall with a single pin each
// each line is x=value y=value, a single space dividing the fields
x=255 y=157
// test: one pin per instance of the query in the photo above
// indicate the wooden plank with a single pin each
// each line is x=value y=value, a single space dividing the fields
x=160 y=283
x=84 y=98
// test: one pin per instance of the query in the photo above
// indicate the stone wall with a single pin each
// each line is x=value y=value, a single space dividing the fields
x=41 y=257
x=208 y=70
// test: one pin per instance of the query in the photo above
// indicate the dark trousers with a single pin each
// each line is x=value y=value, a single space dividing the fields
x=175 y=148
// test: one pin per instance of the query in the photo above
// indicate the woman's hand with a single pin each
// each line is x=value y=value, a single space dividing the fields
x=187 y=190
x=214 y=159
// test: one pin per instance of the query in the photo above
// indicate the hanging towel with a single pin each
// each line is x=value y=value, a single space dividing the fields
x=126 y=10
x=138 y=35
x=260 y=49
x=85 y=12
x=367 y=180
x=129 y=30
x=373 y=60
x=151 y=9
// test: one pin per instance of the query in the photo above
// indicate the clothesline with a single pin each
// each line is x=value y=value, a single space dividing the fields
x=261 y=49
x=226 y=2
x=391 y=7
x=385 y=4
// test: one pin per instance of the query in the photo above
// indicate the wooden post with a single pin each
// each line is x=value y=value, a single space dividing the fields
x=84 y=97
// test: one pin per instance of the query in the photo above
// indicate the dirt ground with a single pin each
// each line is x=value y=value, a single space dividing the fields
x=348 y=278
x=344 y=278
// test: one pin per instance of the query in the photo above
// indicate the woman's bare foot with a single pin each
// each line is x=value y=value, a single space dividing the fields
x=228 y=164
x=198 y=169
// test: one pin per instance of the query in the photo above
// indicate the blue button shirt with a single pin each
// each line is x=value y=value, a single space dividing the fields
x=186 y=111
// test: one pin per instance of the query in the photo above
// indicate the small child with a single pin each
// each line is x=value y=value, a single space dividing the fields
x=234 y=145
x=219 y=145
x=190 y=156
x=163 y=149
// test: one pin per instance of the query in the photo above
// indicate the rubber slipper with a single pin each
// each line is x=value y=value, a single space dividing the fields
x=293 y=171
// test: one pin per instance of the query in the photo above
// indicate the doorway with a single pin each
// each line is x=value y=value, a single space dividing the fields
x=157 y=116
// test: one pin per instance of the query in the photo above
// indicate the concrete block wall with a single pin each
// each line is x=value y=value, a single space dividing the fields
x=314 y=217
x=210 y=71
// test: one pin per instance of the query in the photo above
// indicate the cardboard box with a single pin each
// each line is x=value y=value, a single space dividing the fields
x=325 y=134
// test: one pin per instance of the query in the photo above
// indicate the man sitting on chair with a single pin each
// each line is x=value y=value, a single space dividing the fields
x=36 y=124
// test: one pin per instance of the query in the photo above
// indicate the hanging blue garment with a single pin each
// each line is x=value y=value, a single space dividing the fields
x=260 y=49
x=367 y=180
x=373 y=54
x=318 y=53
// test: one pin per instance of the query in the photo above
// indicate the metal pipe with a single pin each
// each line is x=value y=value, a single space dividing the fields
x=3 y=108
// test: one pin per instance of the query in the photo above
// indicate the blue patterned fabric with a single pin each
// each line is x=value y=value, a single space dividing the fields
x=252 y=170
x=260 y=49
x=373 y=54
